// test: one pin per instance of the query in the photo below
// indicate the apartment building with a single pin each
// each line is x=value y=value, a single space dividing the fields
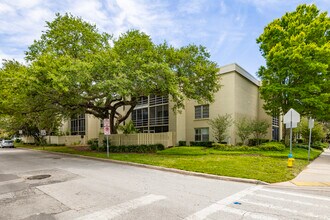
x=239 y=96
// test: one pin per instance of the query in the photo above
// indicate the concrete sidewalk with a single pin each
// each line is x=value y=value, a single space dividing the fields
x=316 y=174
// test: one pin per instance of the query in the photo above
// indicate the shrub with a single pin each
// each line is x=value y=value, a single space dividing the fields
x=201 y=143
x=220 y=125
x=226 y=147
x=303 y=146
x=272 y=146
x=182 y=143
x=255 y=141
x=151 y=148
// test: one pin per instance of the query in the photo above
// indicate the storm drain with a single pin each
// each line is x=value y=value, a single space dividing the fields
x=39 y=177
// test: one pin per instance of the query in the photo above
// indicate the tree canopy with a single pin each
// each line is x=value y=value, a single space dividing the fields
x=297 y=52
x=75 y=69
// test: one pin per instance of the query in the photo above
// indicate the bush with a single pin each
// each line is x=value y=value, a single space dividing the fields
x=272 y=146
x=255 y=141
x=151 y=148
x=226 y=147
x=182 y=143
x=303 y=146
x=201 y=143
x=300 y=141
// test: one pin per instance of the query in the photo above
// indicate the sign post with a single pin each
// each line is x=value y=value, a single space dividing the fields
x=106 y=127
x=310 y=126
x=43 y=134
x=291 y=118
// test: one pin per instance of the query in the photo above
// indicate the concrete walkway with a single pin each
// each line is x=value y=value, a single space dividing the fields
x=316 y=174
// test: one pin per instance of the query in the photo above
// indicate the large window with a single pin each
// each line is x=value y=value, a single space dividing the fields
x=201 y=134
x=151 y=114
x=275 y=129
x=201 y=111
x=78 y=125
x=140 y=117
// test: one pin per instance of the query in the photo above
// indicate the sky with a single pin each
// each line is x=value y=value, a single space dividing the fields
x=227 y=28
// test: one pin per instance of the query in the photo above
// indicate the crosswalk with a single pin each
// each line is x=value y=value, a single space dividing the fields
x=257 y=202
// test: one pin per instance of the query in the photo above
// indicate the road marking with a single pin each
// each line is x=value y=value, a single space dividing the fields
x=11 y=181
x=310 y=183
x=281 y=208
x=297 y=194
x=221 y=205
x=290 y=200
x=122 y=208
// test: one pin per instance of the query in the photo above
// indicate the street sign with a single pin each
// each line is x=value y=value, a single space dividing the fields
x=294 y=125
x=311 y=123
x=43 y=132
x=291 y=116
x=106 y=126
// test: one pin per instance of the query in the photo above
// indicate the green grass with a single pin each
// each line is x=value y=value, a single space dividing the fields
x=268 y=166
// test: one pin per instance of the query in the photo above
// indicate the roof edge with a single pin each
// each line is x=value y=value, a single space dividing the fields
x=237 y=68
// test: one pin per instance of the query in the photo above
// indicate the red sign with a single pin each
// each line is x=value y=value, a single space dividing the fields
x=106 y=126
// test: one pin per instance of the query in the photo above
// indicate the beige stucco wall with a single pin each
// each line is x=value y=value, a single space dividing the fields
x=92 y=126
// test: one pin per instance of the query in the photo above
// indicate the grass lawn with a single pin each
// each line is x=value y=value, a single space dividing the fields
x=268 y=166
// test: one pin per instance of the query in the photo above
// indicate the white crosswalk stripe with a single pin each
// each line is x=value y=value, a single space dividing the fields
x=122 y=208
x=275 y=204
x=296 y=194
x=282 y=208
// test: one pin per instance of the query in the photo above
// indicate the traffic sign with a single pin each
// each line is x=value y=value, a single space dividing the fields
x=291 y=116
x=43 y=132
x=294 y=125
x=106 y=126
x=311 y=123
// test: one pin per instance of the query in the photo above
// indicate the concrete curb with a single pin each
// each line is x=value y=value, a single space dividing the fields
x=184 y=172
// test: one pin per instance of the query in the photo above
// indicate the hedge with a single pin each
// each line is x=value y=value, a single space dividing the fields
x=151 y=148
x=201 y=143
x=269 y=146
x=255 y=141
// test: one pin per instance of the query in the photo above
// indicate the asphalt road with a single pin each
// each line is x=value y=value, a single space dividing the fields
x=83 y=189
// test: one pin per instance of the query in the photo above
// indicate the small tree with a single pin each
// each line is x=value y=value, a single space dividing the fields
x=318 y=131
x=220 y=125
x=244 y=128
x=259 y=129
x=128 y=128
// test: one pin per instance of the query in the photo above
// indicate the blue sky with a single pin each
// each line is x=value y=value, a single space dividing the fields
x=228 y=28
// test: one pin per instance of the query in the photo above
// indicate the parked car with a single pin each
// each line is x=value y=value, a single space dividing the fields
x=7 y=143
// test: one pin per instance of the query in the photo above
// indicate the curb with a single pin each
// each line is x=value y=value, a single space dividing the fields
x=172 y=170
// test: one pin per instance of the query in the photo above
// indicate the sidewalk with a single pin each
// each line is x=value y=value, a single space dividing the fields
x=316 y=174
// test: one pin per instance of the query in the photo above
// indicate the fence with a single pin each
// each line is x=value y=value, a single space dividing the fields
x=65 y=140
x=166 y=138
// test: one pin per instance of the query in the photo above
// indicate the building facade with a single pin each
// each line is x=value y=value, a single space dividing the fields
x=239 y=97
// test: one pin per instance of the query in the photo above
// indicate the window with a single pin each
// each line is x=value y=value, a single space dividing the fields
x=78 y=125
x=201 y=134
x=275 y=129
x=201 y=111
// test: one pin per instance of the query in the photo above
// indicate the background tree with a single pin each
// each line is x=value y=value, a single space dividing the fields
x=220 y=126
x=128 y=128
x=77 y=71
x=244 y=128
x=297 y=52
x=319 y=131
x=259 y=129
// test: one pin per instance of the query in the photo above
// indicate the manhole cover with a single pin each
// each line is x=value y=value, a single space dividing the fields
x=39 y=177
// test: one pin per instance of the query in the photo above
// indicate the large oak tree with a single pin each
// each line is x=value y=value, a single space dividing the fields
x=76 y=69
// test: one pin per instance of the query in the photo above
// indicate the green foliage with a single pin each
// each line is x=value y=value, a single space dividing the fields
x=272 y=146
x=201 y=143
x=297 y=52
x=269 y=146
x=128 y=128
x=256 y=141
x=152 y=148
x=259 y=129
x=318 y=132
x=76 y=69
x=220 y=126
x=243 y=128
x=182 y=143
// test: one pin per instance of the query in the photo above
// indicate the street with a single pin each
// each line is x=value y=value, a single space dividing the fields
x=39 y=185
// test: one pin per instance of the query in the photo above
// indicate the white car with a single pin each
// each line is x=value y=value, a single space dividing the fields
x=7 y=143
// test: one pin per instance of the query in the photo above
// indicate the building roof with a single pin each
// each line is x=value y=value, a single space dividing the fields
x=236 y=68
